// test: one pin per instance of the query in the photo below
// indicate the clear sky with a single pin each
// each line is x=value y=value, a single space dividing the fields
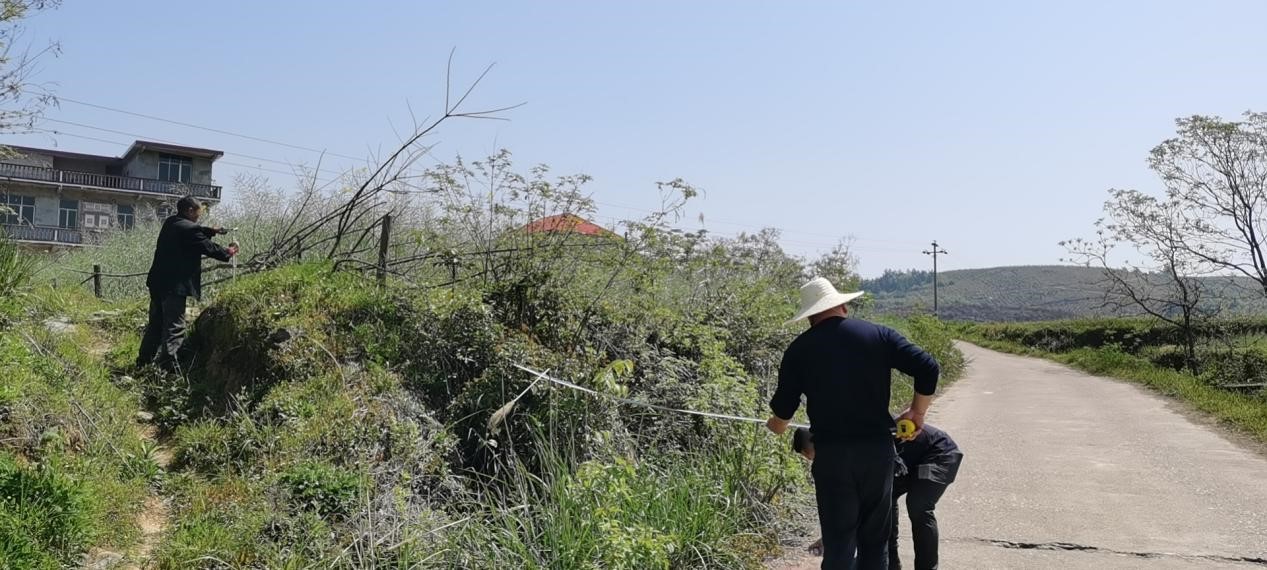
x=994 y=127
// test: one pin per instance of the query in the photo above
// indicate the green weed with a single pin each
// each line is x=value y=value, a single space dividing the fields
x=45 y=519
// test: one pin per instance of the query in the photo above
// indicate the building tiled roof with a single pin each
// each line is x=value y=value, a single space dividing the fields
x=139 y=146
x=61 y=153
x=136 y=147
x=566 y=223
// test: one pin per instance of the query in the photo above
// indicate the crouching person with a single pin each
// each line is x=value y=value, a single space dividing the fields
x=927 y=465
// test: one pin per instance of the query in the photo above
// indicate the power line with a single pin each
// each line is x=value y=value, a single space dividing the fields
x=108 y=141
x=781 y=230
x=157 y=139
x=782 y=240
x=318 y=171
x=330 y=153
x=214 y=130
x=259 y=168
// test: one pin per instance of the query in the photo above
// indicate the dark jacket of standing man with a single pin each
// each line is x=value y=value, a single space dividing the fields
x=843 y=367
x=175 y=275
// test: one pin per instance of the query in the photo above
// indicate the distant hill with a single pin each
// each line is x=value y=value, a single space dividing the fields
x=1021 y=293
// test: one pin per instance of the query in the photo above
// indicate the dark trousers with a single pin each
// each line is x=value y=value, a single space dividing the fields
x=165 y=331
x=923 y=487
x=853 y=483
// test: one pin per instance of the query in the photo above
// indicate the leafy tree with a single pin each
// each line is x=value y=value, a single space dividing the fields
x=1168 y=283
x=1211 y=221
x=22 y=101
x=1215 y=173
x=840 y=266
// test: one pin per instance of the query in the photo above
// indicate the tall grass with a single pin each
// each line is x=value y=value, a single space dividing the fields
x=73 y=469
x=43 y=516
x=16 y=267
x=693 y=510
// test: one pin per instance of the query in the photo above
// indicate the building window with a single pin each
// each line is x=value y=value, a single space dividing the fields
x=96 y=216
x=68 y=214
x=18 y=209
x=164 y=211
x=127 y=216
x=174 y=168
x=97 y=221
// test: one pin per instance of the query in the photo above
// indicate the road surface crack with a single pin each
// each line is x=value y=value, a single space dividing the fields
x=1072 y=547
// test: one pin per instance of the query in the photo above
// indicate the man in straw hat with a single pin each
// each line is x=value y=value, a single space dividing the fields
x=843 y=367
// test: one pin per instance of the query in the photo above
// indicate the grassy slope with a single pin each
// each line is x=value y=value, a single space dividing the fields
x=1002 y=293
x=305 y=463
x=344 y=466
x=74 y=468
x=1025 y=293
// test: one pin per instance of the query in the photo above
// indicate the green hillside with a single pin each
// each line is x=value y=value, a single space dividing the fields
x=1021 y=293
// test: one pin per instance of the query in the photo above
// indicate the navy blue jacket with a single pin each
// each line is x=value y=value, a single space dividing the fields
x=844 y=367
x=177 y=266
x=932 y=445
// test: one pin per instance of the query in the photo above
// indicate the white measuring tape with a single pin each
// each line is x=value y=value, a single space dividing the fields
x=566 y=384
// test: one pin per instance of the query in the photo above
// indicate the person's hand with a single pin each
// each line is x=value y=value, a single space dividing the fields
x=233 y=250
x=777 y=425
x=915 y=417
x=219 y=230
x=816 y=549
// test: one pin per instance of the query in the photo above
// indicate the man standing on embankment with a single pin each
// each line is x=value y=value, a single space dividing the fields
x=175 y=275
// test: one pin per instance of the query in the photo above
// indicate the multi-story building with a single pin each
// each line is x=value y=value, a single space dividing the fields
x=57 y=198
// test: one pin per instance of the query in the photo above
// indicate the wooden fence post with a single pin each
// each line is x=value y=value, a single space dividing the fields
x=96 y=280
x=383 y=240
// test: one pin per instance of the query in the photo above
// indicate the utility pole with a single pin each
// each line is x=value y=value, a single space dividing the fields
x=937 y=250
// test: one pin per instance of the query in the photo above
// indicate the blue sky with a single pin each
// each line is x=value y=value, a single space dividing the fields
x=993 y=127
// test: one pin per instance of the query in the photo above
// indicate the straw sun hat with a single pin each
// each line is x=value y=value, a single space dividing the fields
x=819 y=295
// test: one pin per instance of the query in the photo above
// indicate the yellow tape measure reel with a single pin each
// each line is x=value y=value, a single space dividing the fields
x=905 y=429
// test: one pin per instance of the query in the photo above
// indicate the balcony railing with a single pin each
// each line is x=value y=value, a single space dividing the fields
x=42 y=234
x=107 y=181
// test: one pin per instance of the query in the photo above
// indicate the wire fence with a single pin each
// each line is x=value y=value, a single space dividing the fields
x=412 y=268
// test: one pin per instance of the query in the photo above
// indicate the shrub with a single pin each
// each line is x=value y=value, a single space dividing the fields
x=16 y=267
x=1233 y=366
x=1166 y=356
x=1232 y=355
x=937 y=338
x=329 y=491
x=218 y=524
x=212 y=446
x=614 y=512
x=44 y=516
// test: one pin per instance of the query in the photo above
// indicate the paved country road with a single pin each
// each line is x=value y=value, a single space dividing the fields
x=1067 y=470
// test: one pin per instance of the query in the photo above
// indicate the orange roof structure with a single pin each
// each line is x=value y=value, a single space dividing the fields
x=570 y=223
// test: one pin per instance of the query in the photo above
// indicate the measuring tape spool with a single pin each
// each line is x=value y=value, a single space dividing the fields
x=905 y=429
